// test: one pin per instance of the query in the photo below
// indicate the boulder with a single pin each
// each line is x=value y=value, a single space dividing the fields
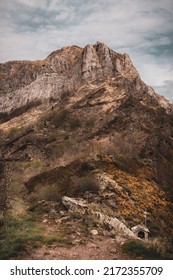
x=94 y=232
x=74 y=203
x=113 y=223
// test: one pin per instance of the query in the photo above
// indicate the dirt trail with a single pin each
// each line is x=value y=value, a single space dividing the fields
x=99 y=248
x=77 y=242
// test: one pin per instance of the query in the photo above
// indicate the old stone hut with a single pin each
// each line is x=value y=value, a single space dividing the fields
x=140 y=231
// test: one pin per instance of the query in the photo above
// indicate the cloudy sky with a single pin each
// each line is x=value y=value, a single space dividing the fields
x=32 y=29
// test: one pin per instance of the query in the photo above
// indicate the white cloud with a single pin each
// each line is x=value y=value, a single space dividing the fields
x=33 y=3
x=166 y=89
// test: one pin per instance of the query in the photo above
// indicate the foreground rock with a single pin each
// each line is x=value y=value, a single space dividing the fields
x=112 y=223
x=74 y=204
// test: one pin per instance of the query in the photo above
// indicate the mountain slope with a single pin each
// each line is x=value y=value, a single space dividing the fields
x=81 y=123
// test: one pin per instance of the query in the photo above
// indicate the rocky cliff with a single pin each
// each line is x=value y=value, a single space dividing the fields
x=24 y=84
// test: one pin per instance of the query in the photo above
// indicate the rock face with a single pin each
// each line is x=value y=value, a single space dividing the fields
x=24 y=84
x=30 y=83
x=74 y=204
x=112 y=223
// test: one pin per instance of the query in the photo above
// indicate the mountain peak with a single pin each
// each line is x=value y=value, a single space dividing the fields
x=27 y=83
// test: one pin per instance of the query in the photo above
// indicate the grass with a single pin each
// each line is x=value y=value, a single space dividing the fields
x=88 y=222
x=144 y=250
x=18 y=231
x=14 y=235
x=34 y=164
x=31 y=168
x=75 y=215
x=52 y=239
x=14 y=132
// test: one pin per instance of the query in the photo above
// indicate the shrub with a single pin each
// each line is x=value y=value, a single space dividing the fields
x=47 y=193
x=85 y=168
x=12 y=132
x=75 y=215
x=52 y=137
x=33 y=166
x=83 y=184
x=59 y=117
x=74 y=122
x=66 y=136
x=1 y=133
x=15 y=132
x=163 y=246
x=59 y=150
x=54 y=117
x=90 y=122
x=141 y=249
x=35 y=163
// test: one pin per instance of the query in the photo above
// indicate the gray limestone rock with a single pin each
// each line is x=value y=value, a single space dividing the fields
x=24 y=84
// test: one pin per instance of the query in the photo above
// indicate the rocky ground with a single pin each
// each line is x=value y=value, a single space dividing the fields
x=81 y=242
x=98 y=248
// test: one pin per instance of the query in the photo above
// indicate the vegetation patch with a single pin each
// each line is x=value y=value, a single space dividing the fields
x=17 y=230
x=74 y=122
x=140 y=249
x=150 y=250
x=54 y=117
x=33 y=164
x=14 y=132
x=83 y=184
x=47 y=193
x=90 y=122
x=75 y=215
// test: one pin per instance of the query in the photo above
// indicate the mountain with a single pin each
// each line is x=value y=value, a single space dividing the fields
x=25 y=83
x=82 y=127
